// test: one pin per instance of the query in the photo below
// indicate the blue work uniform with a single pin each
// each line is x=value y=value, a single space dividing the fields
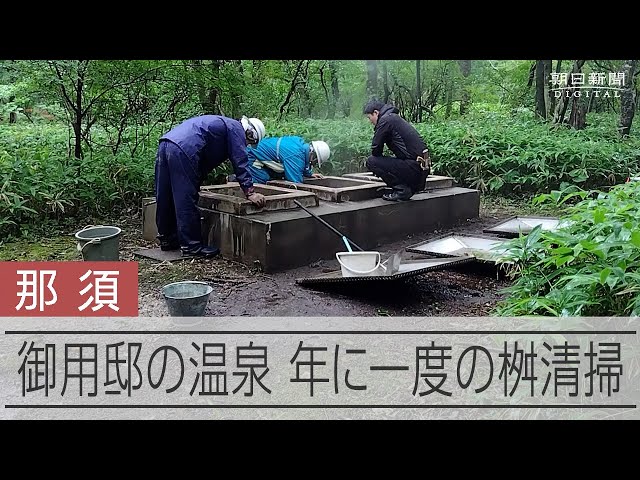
x=186 y=155
x=279 y=157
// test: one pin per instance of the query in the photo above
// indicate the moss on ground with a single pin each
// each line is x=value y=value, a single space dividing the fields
x=58 y=248
x=500 y=206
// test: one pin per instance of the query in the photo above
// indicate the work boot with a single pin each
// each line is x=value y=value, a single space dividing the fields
x=200 y=251
x=400 y=193
x=168 y=244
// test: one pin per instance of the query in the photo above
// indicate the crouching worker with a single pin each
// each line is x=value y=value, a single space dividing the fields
x=288 y=158
x=186 y=155
x=406 y=173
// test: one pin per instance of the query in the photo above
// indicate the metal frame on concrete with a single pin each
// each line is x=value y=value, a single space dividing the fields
x=363 y=176
x=433 y=181
x=277 y=198
x=415 y=248
x=498 y=229
x=360 y=190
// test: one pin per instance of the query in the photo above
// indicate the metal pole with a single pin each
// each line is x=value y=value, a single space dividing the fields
x=327 y=225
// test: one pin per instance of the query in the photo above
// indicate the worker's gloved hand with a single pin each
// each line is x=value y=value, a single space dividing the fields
x=257 y=199
x=317 y=175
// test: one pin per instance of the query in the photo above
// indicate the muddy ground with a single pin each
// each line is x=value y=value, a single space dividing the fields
x=244 y=290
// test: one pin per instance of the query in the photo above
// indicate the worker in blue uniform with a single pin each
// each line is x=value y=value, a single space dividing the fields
x=186 y=155
x=289 y=158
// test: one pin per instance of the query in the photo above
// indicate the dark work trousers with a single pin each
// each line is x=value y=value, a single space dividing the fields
x=177 y=187
x=395 y=171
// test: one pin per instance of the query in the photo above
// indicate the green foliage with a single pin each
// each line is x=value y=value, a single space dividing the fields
x=7 y=96
x=498 y=147
x=40 y=180
x=501 y=154
x=589 y=267
x=13 y=98
x=494 y=152
x=508 y=81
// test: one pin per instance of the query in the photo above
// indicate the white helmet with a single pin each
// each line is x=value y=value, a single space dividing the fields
x=255 y=126
x=322 y=151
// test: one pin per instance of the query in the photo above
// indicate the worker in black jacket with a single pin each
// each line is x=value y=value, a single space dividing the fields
x=407 y=172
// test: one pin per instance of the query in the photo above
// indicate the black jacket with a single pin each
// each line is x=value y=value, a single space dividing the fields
x=399 y=135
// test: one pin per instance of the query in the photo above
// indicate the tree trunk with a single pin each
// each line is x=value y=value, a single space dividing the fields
x=548 y=66
x=236 y=96
x=627 y=98
x=578 y=117
x=77 y=124
x=543 y=79
x=331 y=107
x=372 y=79
x=335 y=90
x=292 y=89
x=418 y=91
x=346 y=106
x=532 y=74
x=212 y=97
x=385 y=82
x=303 y=92
x=563 y=101
x=449 y=99
x=208 y=91
x=592 y=104
x=72 y=104
x=541 y=110
x=13 y=115
x=552 y=98
x=305 y=101
x=202 y=91
x=465 y=69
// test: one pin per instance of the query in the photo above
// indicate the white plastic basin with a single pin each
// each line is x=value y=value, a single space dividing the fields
x=359 y=264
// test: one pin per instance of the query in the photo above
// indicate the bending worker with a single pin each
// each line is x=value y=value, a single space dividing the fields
x=406 y=172
x=186 y=155
x=288 y=158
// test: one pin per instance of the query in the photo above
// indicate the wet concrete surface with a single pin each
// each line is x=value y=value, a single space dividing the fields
x=283 y=240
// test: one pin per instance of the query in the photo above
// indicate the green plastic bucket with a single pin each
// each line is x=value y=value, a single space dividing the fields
x=99 y=243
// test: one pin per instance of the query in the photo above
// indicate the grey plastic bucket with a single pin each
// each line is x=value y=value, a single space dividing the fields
x=187 y=299
x=100 y=242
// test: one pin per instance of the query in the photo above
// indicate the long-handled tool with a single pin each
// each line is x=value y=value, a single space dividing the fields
x=344 y=238
x=390 y=266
